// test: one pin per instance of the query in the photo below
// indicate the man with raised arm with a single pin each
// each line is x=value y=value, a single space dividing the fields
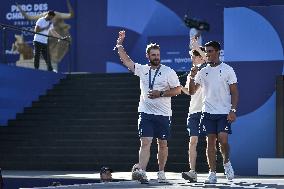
x=198 y=59
x=158 y=83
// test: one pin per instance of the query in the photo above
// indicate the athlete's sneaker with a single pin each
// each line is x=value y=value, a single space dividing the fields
x=191 y=176
x=211 y=179
x=140 y=175
x=144 y=179
x=162 y=177
x=229 y=171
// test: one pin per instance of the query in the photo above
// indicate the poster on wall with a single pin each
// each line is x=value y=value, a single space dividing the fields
x=17 y=19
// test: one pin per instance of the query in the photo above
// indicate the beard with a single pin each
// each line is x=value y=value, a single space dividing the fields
x=155 y=62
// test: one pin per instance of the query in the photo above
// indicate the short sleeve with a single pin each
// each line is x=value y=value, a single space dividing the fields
x=232 y=78
x=173 y=79
x=138 y=69
x=39 y=23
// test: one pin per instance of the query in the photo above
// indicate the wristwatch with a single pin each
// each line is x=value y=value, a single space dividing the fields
x=162 y=93
x=233 y=110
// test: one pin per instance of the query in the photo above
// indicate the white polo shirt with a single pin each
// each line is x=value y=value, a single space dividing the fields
x=41 y=22
x=165 y=79
x=214 y=83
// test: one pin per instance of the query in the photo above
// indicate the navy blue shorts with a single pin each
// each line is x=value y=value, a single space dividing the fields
x=215 y=123
x=156 y=126
x=193 y=124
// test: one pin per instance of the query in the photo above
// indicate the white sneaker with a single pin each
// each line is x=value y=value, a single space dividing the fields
x=191 y=176
x=162 y=177
x=229 y=171
x=139 y=175
x=211 y=179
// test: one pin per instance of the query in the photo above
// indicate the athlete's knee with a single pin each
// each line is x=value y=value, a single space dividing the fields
x=146 y=142
x=163 y=144
x=223 y=139
x=223 y=143
x=193 y=142
x=211 y=147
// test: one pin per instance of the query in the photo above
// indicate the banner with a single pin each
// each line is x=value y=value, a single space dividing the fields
x=17 y=46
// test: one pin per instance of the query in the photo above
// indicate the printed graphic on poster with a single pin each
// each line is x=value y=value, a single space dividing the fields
x=17 y=45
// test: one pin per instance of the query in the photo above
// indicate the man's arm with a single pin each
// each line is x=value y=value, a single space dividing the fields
x=234 y=101
x=172 y=92
x=234 y=95
x=122 y=53
x=39 y=29
x=168 y=93
x=55 y=34
x=185 y=90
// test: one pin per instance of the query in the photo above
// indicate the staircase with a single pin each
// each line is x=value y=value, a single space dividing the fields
x=90 y=120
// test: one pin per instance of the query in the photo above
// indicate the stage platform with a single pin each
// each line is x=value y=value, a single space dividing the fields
x=88 y=180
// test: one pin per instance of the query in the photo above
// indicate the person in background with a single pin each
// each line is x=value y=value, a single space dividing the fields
x=106 y=174
x=44 y=26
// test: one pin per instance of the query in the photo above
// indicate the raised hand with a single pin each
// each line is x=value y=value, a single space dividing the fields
x=193 y=71
x=194 y=43
x=121 y=36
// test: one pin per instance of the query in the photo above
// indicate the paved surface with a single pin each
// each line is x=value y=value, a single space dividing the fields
x=175 y=180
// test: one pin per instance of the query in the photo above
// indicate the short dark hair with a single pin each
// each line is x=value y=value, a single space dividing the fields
x=215 y=44
x=105 y=169
x=196 y=53
x=51 y=13
x=152 y=46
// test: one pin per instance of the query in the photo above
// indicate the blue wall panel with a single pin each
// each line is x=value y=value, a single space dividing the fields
x=254 y=47
x=20 y=86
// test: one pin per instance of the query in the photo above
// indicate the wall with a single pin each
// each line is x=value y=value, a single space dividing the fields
x=253 y=39
x=19 y=87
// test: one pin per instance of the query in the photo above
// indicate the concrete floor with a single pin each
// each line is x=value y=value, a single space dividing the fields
x=175 y=180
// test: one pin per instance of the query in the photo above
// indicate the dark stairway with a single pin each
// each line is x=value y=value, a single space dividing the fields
x=86 y=121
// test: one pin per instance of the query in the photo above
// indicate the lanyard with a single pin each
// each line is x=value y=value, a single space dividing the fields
x=151 y=83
